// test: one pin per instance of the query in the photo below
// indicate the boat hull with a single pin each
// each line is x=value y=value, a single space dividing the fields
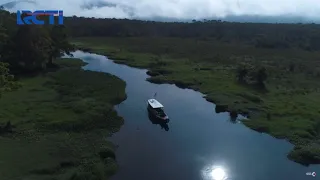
x=153 y=114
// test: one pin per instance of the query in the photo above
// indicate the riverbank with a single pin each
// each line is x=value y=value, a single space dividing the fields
x=59 y=122
x=288 y=109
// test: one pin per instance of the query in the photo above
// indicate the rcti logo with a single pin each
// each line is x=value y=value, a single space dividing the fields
x=31 y=17
x=313 y=174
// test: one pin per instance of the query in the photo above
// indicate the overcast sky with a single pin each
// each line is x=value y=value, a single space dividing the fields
x=184 y=9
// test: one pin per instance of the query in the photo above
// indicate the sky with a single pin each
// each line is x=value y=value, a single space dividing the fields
x=176 y=9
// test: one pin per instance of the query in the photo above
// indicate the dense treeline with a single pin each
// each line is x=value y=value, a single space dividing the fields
x=305 y=36
x=29 y=49
x=263 y=35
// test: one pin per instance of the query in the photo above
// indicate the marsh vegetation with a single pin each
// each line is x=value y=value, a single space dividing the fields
x=278 y=89
x=60 y=121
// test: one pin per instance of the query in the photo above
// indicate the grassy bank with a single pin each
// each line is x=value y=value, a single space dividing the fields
x=59 y=124
x=287 y=109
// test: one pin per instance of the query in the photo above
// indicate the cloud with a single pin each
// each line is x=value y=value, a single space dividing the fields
x=177 y=9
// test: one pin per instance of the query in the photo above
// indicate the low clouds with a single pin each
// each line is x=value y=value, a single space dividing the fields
x=177 y=9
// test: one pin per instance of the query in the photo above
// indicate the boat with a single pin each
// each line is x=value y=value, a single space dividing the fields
x=156 y=109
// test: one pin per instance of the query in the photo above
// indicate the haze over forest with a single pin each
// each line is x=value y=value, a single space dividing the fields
x=288 y=11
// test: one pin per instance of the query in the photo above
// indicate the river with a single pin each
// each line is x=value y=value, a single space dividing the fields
x=196 y=142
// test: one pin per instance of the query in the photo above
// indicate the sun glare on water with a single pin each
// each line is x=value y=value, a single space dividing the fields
x=218 y=174
x=212 y=172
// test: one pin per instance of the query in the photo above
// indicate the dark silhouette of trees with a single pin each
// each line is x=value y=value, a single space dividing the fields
x=59 y=44
x=6 y=129
x=261 y=35
x=261 y=77
x=7 y=82
x=252 y=75
x=3 y=37
x=6 y=79
x=242 y=73
x=292 y=67
x=30 y=48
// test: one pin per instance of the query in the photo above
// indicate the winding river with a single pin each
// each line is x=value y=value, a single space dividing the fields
x=197 y=143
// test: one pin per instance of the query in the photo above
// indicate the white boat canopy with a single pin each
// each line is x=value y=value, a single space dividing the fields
x=154 y=103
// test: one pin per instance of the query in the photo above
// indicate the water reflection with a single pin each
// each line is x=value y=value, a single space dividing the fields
x=233 y=116
x=164 y=125
x=214 y=173
x=233 y=120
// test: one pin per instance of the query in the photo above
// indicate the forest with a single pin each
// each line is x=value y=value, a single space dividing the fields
x=267 y=72
x=304 y=36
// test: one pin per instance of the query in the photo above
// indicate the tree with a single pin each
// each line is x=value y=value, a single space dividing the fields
x=6 y=79
x=261 y=76
x=3 y=30
x=3 y=39
x=242 y=72
x=59 y=43
x=292 y=67
x=31 y=48
x=28 y=49
x=8 y=22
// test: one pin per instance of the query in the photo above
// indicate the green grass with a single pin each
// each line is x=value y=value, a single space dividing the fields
x=61 y=119
x=288 y=109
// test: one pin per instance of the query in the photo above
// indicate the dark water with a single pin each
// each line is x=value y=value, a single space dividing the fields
x=197 y=141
